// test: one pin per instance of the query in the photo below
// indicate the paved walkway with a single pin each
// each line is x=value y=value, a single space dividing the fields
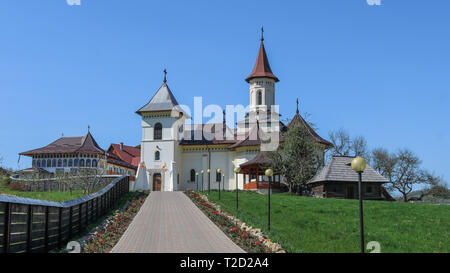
x=170 y=222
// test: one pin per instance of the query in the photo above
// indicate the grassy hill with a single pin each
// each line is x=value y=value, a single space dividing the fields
x=306 y=224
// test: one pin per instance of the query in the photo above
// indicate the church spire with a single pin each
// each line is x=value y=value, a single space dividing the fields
x=262 y=66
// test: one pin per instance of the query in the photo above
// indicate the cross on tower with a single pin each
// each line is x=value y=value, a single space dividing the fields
x=165 y=73
x=297 y=105
x=262 y=34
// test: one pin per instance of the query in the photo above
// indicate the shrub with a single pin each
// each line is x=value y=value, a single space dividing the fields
x=15 y=186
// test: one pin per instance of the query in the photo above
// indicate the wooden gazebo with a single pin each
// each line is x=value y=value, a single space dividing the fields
x=253 y=172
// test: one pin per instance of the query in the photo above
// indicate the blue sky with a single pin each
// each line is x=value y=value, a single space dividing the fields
x=378 y=71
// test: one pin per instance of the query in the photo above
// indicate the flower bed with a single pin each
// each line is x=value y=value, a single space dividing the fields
x=249 y=239
x=103 y=238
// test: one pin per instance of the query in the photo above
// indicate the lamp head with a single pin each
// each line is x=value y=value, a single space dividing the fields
x=196 y=173
x=237 y=170
x=208 y=170
x=219 y=170
x=358 y=164
x=202 y=171
x=269 y=172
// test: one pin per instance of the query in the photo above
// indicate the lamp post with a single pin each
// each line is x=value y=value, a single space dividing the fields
x=209 y=180
x=269 y=173
x=236 y=171
x=196 y=174
x=202 y=171
x=219 y=171
x=359 y=165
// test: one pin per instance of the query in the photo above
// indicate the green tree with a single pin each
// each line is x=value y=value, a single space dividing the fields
x=297 y=157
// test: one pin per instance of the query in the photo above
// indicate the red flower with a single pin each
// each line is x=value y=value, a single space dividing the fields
x=100 y=240
x=256 y=242
x=243 y=234
x=270 y=250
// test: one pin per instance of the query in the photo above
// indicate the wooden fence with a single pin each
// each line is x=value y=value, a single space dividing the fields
x=31 y=225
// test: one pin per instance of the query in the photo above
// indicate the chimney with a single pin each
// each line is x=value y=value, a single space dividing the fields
x=121 y=146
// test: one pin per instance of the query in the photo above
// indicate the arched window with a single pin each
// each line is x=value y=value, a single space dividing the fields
x=259 y=94
x=157 y=155
x=43 y=164
x=192 y=175
x=38 y=163
x=49 y=163
x=65 y=163
x=81 y=162
x=88 y=163
x=218 y=176
x=94 y=163
x=157 y=134
x=59 y=163
x=54 y=163
x=75 y=162
x=70 y=162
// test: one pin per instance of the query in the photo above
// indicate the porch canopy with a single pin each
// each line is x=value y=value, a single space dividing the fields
x=254 y=173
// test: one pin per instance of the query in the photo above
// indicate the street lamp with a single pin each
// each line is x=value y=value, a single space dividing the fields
x=202 y=171
x=209 y=180
x=196 y=174
x=219 y=171
x=269 y=173
x=236 y=171
x=359 y=165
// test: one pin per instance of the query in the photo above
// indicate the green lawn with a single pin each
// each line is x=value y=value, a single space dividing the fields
x=48 y=195
x=306 y=224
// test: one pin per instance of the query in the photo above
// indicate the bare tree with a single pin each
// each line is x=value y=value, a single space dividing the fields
x=88 y=179
x=403 y=171
x=344 y=145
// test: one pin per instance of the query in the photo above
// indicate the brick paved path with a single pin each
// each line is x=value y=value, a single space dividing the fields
x=170 y=222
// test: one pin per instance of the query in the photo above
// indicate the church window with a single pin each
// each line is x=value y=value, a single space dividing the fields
x=192 y=175
x=38 y=162
x=157 y=134
x=259 y=97
x=43 y=163
x=157 y=155
x=70 y=162
x=75 y=162
x=88 y=163
x=81 y=162
x=94 y=163
x=49 y=163
x=59 y=163
x=54 y=163
x=65 y=163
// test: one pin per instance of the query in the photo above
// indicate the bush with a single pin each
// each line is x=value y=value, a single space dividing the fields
x=15 y=186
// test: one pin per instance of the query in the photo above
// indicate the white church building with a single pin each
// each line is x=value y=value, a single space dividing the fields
x=176 y=156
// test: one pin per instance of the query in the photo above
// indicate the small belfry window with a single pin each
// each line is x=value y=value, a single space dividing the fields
x=157 y=134
x=157 y=155
x=192 y=175
x=259 y=94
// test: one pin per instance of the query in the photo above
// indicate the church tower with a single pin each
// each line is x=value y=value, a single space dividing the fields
x=262 y=82
x=162 y=124
x=262 y=94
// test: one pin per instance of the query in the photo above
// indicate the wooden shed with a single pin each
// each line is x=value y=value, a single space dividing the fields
x=338 y=180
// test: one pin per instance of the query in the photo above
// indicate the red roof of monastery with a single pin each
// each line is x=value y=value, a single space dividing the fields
x=129 y=154
x=262 y=66
x=83 y=144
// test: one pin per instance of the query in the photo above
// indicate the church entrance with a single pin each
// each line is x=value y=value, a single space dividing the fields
x=157 y=182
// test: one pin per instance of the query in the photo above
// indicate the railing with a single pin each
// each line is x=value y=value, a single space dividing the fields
x=31 y=225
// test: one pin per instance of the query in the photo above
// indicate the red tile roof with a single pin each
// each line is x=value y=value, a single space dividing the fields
x=129 y=154
x=262 y=66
